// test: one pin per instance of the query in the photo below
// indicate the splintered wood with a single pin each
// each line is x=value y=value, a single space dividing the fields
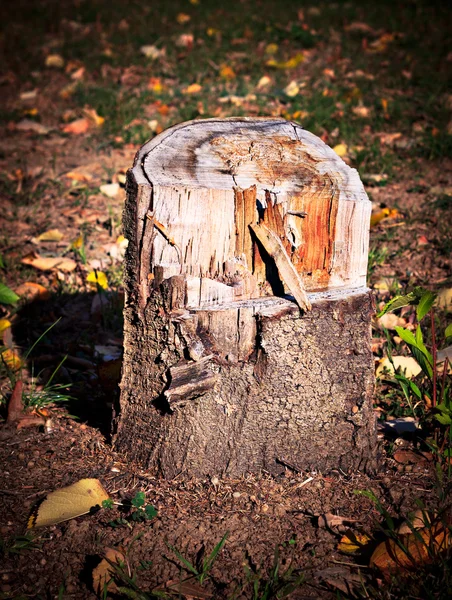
x=248 y=208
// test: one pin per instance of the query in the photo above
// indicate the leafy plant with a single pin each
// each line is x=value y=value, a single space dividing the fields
x=18 y=544
x=137 y=509
x=276 y=584
x=434 y=384
x=201 y=570
x=7 y=296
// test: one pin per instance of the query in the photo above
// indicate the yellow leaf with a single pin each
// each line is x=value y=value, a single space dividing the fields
x=4 y=324
x=51 y=235
x=67 y=503
x=12 y=359
x=263 y=82
x=353 y=542
x=183 y=18
x=77 y=243
x=288 y=64
x=292 y=89
x=194 y=88
x=97 y=278
x=211 y=31
x=194 y=2
x=55 y=61
x=384 y=213
x=271 y=49
x=341 y=150
x=227 y=72
x=94 y=117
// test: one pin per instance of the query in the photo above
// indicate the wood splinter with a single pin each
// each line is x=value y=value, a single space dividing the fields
x=189 y=381
x=273 y=245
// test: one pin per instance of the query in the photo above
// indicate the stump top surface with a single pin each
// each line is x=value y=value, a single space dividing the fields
x=273 y=154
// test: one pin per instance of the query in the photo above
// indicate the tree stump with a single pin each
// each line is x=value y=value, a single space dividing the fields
x=247 y=317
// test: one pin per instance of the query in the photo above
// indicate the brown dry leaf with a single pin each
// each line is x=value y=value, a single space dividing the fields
x=417 y=520
x=31 y=421
x=78 y=176
x=48 y=263
x=421 y=548
x=391 y=321
x=15 y=404
x=361 y=111
x=359 y=27
x=29 y=125
x=444 y=299
x=104 y=572
x=388 y=139
x=32 y=291
x=77 y=127
x=51 y=235
x=404 y=457
x=353 y=542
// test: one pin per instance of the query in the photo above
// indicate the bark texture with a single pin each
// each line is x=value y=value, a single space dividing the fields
x=223 y=373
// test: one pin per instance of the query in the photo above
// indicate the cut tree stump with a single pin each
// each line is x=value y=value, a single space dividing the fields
x=247 y=317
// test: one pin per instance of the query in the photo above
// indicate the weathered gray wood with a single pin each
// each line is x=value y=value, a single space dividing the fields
x=223 y=373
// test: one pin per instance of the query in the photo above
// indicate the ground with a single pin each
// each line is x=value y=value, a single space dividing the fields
x=84 y=84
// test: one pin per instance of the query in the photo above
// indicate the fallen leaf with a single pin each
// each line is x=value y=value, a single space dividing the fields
x=67 y=503
x=78 y=126
x=33 y=291
x=416 y=520
x=152 y=52
x=404 y=457
x=271 y=49
x=388 y=139
x=444 y=299
x=29 y=125
x=185 y=40
x=30 y=95
x=391 y=321
x=51 y=235
x=341 y=150
x=359 y=27
x=194 y=88
x=263 y=82
x=78 y=74
x=68 y=90
x=97 y=278
x=110 y=189
x=48 y=263
x=361 y=111
x=96 y=119
x=406 y=364
x=54 y=61
x=288 y=64
x=4 y=324
x=104 y=572
x=10 y=357
x=329 y=520
x=78 y=176
x=227 y=72
x=421 y=548
x=183 y=18
x=384 y=213
x=353 y=542
x=292 y=89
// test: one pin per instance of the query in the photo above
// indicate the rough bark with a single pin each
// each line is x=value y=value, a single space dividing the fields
x=224 y=374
